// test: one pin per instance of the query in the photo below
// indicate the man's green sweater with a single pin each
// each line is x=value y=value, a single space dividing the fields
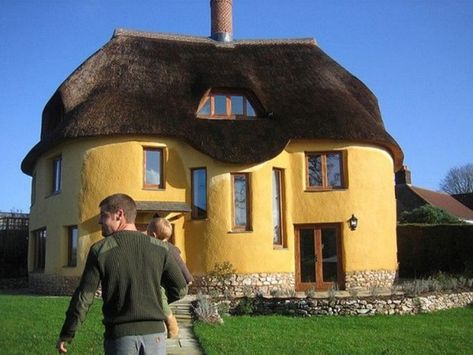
x=131 y=268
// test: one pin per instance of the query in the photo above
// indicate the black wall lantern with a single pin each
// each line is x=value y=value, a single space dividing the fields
x=353 y=222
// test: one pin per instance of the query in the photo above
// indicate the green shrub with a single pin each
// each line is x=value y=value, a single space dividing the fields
x=246 y=306
x=428 y=214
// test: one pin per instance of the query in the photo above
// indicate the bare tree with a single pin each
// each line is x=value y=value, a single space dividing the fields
x=458 y=180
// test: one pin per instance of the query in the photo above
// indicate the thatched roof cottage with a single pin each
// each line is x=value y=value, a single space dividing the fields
x=266 y=154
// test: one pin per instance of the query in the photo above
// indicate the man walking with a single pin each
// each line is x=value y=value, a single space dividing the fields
x=131 y=267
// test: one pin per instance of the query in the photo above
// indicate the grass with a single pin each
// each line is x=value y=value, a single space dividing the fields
x=444 y=332
x=31 y=324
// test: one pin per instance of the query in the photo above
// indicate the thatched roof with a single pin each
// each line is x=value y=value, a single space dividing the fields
x=151 y=84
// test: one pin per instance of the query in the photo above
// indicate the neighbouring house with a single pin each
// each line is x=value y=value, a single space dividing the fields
x=465 y=198
x=13 y=244
x=410 y=197
x=266 y=154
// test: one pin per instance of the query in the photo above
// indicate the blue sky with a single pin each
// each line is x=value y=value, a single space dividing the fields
x=416 y=56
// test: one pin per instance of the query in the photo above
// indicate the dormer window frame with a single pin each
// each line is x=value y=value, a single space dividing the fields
x=249 y=103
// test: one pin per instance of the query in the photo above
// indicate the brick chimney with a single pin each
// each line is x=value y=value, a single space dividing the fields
x=403 y=176
x=221 y=20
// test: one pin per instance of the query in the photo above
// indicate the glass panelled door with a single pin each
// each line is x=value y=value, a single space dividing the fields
x=308 y=256
x=317 y=257
x=329 y=252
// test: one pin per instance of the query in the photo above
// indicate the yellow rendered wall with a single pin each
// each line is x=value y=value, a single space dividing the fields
x=56 y=211
x=96 y=168
x=369 y=195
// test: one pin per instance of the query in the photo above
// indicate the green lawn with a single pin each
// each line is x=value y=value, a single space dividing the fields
x=445 y=332
x=31 y=324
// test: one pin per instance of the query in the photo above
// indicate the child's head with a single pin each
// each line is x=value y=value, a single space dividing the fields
x=159 y=228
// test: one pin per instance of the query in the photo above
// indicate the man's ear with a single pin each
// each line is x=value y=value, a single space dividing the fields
x=120 y=214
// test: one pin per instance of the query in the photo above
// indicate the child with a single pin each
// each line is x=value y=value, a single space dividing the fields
x=161 y=229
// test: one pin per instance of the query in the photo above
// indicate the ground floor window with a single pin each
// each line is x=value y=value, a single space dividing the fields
x=39 y=246
x=72 y=240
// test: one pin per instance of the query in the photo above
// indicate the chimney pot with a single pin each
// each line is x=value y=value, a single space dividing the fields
x=221 y=20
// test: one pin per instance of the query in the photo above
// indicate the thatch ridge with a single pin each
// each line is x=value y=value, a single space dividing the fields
x=199 y=39
x=138 y=84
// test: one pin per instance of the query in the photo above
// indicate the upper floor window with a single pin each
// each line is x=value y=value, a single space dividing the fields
x=199 y=193
x=39 y=249
x=72 y=239
x=324 y=170
x=226 y=105
x=241 y=202
x=277 y=204
x=57 y=173
x=153 y=168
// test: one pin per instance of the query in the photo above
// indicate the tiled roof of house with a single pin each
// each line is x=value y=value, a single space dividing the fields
x=411 y=197
x=466 y=199
x=151 y=84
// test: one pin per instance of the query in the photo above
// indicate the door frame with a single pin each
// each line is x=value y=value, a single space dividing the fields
x=319 y=285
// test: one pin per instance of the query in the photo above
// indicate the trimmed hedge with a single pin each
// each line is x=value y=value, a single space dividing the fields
x=13 y=253
x=424 y=250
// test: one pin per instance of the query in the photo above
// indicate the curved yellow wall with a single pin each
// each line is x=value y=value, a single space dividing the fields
x=95 y=168
x=56 y=212
x=369 y=195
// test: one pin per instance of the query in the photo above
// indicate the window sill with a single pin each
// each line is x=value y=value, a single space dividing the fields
x=54 y=194
x=326 y=189
x=228 y=118
x=152 y=188
x=240 y=231
x=279 y=247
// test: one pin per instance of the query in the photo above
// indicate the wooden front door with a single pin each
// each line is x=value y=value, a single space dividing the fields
x=318 y=261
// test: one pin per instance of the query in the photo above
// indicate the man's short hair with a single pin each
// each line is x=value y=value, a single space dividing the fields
x=161 y=227
x=114 y=202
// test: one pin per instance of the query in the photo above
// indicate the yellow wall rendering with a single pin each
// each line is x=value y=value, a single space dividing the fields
x=94 y=168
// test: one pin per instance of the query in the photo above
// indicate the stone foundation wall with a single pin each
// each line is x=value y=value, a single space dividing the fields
x=363 y=306
x=369 y=279
x=50 y=284
x=245 y=284
x=284 y=283
x=235 y=286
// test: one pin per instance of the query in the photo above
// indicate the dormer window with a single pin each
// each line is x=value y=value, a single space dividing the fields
x=223 y=104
